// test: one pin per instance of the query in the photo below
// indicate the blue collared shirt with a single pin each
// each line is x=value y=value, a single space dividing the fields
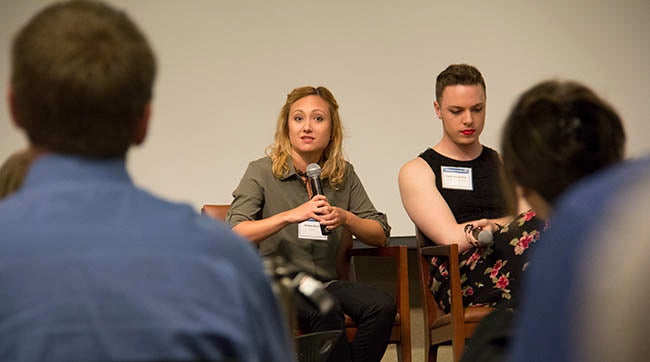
x=94 y=268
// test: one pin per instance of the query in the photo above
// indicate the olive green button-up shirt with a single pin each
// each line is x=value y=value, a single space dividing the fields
x=260 y=195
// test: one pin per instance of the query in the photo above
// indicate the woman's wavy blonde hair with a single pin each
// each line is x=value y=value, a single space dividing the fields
x=332 y=161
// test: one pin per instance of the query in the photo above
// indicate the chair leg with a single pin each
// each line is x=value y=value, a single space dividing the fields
x=399 y=352
x=406 y=347
x=458 y=347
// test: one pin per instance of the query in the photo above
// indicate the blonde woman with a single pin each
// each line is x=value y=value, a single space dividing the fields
x=274 y=208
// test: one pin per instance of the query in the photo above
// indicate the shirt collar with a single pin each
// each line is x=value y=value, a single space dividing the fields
x=51 y=168
x=292 y=171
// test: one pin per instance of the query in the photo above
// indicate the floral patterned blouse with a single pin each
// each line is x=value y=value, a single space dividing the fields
x=491 y=275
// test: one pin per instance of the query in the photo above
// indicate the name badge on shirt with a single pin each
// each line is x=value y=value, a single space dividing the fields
x=310 y=229
x=457 y=178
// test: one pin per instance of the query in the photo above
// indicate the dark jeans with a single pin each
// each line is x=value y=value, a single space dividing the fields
x=372 y=310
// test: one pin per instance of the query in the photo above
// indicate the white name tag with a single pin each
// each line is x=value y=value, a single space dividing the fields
x=457 y=178
x=310 y=229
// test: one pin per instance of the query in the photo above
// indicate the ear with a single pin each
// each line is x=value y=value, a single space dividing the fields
x=142 y=126
x=11 y=101
x=436 y=106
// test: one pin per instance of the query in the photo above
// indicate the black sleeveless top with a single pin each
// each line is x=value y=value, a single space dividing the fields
x=486 y=200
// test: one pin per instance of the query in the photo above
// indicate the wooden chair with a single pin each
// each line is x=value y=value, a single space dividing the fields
x=401 y=334
x=440 y=328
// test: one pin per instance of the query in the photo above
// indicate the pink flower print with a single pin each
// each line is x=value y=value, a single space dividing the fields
x=497 y=266
x=529 y=215
x=525 y=217
x=443 y=271
x=472 y=260
x=494 y=270
x=503 y=282
x=469 y=291
x=524 y=242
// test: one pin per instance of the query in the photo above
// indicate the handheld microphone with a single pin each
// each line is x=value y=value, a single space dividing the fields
x=313 y=174
x=484 y=237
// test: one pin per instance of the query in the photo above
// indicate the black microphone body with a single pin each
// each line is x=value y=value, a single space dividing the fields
x=316 y=185
x=313 y=174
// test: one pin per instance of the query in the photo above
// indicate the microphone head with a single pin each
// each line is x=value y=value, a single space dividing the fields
x=313 y=170
x=485 y=237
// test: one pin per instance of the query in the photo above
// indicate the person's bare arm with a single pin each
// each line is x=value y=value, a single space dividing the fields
x=426 y=207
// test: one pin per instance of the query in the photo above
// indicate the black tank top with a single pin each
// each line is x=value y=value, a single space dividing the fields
x=486 y=200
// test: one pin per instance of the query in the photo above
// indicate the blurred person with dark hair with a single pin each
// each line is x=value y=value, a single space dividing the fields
x=459 y=184
x=94 y=268
x=558 y=134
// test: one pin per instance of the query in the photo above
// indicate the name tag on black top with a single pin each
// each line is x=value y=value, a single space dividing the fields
x=457 y=178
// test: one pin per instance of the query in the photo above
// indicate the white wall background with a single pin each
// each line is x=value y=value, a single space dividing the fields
x=227 y=65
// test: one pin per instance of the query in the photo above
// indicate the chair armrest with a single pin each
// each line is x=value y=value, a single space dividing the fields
x=440 y=250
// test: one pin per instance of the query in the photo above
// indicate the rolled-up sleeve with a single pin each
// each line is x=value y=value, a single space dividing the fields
x=248 y=197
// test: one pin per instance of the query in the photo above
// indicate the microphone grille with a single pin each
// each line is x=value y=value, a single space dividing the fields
x=313 y=170
x=485 y=237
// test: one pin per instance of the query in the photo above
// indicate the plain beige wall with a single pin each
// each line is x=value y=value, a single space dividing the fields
x=226 y=67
